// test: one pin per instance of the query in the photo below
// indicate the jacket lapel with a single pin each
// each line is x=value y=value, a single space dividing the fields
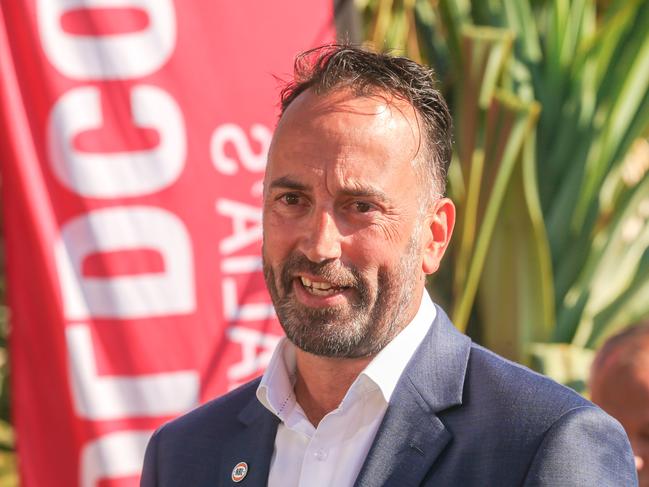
x=253 y=444
x=411 y=435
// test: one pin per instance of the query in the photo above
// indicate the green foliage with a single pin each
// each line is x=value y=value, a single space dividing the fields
x=8 y=470
x=551 y=107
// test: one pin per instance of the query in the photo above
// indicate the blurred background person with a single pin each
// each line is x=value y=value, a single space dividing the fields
x=620 y=385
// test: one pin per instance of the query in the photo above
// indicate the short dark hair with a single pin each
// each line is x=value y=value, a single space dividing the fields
x=334 y=66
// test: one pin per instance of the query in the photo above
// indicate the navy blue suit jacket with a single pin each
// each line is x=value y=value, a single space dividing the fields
x=459 y=416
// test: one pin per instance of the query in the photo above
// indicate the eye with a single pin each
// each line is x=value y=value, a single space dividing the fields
x=362 y=206
x=290 y=199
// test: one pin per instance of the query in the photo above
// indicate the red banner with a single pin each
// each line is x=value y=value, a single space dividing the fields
x=134 y=136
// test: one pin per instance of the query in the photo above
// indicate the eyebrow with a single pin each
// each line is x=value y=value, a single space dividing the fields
x=359 y=191
x=365 y=192
x=287 y=182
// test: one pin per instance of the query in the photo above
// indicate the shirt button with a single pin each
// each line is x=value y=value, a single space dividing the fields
x=320 y=455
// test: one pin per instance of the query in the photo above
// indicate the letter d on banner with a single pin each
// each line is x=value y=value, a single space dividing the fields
x=139 y=296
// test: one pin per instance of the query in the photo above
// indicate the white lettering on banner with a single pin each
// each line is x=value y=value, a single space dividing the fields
x=129 y=296
x=121 y=174
x=232 y=309
x=112 y=456
x=246 y=229
x=234 y=134
x=246 y=224
x=245 y=264
x=256 y=346
x=251 y=361
x=115 y=56
x=114 y=397
x=129 y=173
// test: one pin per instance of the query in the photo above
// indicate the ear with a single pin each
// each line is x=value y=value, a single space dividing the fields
x=437 y=234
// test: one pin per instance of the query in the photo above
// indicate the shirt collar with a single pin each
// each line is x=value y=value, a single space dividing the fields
x=275 y=391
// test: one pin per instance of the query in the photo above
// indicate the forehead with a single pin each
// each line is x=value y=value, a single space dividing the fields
x=342 y=130
x=373 y=108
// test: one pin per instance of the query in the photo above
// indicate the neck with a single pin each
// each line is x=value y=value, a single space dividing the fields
x=322 y=382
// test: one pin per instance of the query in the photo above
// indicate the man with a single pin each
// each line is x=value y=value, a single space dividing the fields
x=620 y=385
x=373 y=385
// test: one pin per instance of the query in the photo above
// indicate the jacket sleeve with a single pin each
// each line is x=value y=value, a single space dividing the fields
x=584 y=447
x=149 y=476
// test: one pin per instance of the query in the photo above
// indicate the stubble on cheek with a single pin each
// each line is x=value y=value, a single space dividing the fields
x=333 y=331
x=373 y=315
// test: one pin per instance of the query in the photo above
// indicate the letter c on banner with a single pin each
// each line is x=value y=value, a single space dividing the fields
x=120 y=174
x=118 y=56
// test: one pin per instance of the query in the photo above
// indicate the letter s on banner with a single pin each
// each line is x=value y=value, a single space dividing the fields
x=230 y=132
x=118 y=56
x=95 y=174
x=134 y=296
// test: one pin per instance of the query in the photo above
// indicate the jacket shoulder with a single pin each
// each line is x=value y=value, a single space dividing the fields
x=495 y=380
x=522 y=428
x=583 y=447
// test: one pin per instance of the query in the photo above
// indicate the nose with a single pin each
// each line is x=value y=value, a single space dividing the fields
x=322 y=239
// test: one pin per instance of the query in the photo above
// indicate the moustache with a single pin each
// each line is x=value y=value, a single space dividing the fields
x=334 y=272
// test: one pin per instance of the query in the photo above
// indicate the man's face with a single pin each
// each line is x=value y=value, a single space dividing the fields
x=624 y=394
x=346 y=230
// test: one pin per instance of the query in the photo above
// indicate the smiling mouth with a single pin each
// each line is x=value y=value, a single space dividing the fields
x=321 y=288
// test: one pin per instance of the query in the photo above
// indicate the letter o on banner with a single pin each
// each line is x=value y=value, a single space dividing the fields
x=120 y=56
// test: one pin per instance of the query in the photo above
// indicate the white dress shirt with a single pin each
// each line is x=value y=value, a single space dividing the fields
x=333 y=453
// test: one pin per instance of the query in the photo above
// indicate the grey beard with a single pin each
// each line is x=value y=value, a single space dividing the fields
x=361 y=330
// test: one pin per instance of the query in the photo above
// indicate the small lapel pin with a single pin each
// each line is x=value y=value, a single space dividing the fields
x=239 y=472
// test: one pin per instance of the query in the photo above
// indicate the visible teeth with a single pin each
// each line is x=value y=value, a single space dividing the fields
x=321 y=285
x=321 y=292
x=306 y=282
x=318 y=288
